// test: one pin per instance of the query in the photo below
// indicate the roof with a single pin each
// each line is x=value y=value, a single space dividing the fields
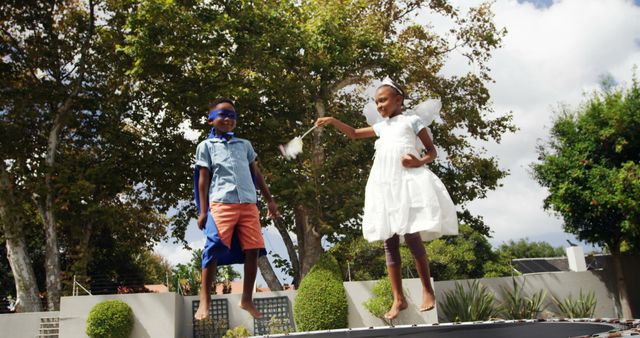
x=556 y=264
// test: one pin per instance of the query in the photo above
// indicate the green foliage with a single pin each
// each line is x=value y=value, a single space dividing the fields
x=110 y=319
x=582 y=307
x=287 y=62
x=156 y=268
x=525 y=249
x=359 y=259
x=471 y=304
x=382 y=299
x=321 y=301
x=237 y=332
x=467 y=255
x=590 y=167
x=518 y=306
x=278 y=326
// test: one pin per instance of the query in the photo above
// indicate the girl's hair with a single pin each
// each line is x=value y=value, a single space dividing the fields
x=396 y=88
x=220 y=100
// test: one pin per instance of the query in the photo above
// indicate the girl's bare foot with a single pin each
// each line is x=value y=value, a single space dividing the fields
x=203 y=311
x=428 y=301
x=398 y=305
x=249 y=307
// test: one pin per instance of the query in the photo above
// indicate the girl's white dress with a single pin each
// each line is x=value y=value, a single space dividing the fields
x=400 y=200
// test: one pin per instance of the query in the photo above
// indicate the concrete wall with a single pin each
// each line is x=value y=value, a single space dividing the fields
x=22 y=325
x=156 y=314
x=558 y=284
x=170 y=315
x=359 y=316
x=237 y=316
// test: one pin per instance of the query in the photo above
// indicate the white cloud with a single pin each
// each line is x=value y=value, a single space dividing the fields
x=550 y=56
x=176 y=253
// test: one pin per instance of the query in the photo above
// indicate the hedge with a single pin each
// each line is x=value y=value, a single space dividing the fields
x=110 y=319
x=321 y=301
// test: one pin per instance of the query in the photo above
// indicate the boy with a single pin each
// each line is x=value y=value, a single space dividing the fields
x=226 y=165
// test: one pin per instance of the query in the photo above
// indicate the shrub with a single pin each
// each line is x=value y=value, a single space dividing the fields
x=517 y=306
x=583 y=307
x=382 y=299
x=110 y=319
x=321 y=302
x=473 y=304
x=237 y=332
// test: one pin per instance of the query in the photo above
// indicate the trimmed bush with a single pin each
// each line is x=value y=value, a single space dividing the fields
x=321 y=302
x=382 y=299
x=110 y=319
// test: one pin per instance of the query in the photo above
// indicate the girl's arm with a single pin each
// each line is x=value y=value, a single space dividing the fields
x=272 y=207
x=203 y=192
x=348 y=130
x=412 y=161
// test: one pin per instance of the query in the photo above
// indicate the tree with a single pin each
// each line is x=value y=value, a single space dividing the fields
x=525 y=249
x=156 y=268
x=468 y=255
x=590 y=167
x=290 y=62
x=103 y=168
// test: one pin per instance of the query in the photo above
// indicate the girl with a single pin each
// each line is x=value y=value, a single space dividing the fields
x=402 y=196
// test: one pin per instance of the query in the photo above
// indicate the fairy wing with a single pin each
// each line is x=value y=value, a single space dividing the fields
x=370 y=111
x=427 y=111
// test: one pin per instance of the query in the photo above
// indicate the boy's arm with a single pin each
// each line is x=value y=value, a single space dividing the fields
x=348 y=130
x=203 y=192
x=272 y=207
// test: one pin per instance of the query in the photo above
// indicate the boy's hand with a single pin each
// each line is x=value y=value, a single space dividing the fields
x=202 y=220
x=410 y=161
x=323 y=121
x=272 y=210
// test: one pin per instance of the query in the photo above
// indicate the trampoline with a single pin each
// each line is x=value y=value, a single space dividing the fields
x=493 y=329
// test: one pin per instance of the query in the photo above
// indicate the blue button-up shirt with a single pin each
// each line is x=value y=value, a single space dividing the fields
x=228 y=162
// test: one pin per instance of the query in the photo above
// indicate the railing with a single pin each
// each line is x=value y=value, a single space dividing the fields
x=77 y=286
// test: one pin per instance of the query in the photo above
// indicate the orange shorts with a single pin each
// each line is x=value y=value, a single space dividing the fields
x=243 y=217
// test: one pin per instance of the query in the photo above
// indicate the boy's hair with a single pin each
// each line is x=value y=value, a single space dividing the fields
x=214 y=103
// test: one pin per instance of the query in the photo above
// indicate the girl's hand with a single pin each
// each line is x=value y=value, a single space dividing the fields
x=323 y=121
x=410 y=161
x=272 y=210
x=202 y=220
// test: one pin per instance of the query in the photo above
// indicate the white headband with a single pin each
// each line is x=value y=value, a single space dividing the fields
x=388 y=82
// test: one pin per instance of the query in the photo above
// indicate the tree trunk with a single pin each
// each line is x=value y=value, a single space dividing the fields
x=309 y=236
x=309 y=241
x=621 y=285
x=268 y=274
x=21 y=267
x=291 y=251
x=46 y=210
x=52 y=255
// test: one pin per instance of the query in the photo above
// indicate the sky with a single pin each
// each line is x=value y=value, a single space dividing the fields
x=555 y=53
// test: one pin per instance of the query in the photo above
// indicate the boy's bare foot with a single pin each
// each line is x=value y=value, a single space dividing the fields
x=249 y=307
x=395 y=309
x=203 y=311
x=428 y=301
